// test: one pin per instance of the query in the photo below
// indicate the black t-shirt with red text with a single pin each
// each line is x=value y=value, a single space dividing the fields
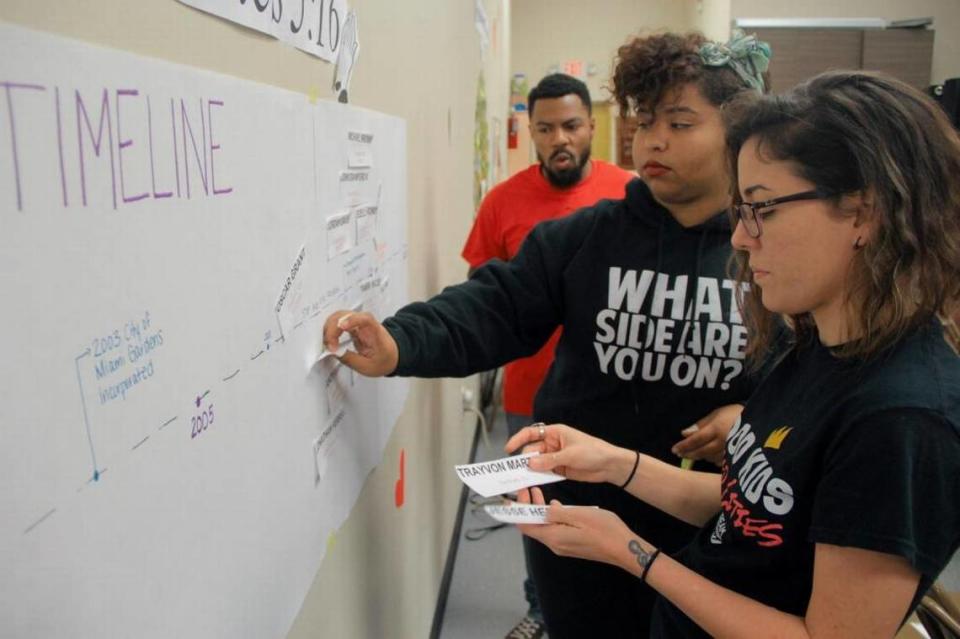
x=840 y=452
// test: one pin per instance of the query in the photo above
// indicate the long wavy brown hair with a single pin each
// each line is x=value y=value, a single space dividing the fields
x=854 y=132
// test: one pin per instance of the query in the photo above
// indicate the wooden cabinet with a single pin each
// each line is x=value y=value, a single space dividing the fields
x=903 y=53
x=626 y=127
x=801 y=53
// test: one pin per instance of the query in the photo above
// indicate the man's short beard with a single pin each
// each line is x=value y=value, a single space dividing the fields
x=568 y=177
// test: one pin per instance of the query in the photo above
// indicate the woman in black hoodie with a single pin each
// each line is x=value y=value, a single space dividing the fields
x=652 y=340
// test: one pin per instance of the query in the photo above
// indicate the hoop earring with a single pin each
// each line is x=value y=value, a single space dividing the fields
x=858 y=245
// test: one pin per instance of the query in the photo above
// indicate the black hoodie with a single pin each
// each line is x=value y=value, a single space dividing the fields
x=651 y=342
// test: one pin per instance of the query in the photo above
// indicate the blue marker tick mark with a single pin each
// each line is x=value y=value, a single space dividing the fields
x=86 y=420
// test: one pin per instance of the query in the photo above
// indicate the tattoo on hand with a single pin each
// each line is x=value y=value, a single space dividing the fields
x=643 y=558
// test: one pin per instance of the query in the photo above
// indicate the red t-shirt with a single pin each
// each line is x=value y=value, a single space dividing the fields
x=507 y=214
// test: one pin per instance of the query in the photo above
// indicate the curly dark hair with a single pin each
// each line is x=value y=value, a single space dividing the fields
x=649 y=66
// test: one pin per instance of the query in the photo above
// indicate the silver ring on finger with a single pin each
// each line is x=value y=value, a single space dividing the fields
x=541 y=430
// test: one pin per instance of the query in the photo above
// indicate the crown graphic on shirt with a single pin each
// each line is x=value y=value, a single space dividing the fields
x=775 y=439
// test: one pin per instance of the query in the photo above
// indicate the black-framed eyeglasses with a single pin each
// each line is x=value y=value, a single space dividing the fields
x=749 y=212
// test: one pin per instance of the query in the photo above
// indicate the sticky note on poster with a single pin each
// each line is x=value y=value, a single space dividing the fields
x=505 y=475
x=370 y=286
x=353 y=185
x=323 y=446
x=340 y=234
x=371 y=290
x=338 y=382
x=290 y=298
x=366 y=217
x=360 y=151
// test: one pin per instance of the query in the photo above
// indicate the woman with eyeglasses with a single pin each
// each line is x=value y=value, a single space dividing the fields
x=839 y=499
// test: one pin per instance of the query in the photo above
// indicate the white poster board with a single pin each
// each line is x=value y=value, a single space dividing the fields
x=172 y=467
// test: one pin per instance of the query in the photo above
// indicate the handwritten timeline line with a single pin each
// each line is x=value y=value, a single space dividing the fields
x=39 y=521
x=86 y=420
x=98 y=473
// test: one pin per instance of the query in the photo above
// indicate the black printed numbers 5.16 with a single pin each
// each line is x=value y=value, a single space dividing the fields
x=200 y=423
x=329 y=14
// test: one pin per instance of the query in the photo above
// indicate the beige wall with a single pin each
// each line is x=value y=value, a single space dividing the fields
x=712 y=17
x=381 y=576
x=946 y=15
x=546 y=33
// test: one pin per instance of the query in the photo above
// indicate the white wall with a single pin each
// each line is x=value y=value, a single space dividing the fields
x=419 y=60
x=946 y=23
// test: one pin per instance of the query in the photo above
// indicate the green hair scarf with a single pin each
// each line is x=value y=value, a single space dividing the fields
x=746 y=55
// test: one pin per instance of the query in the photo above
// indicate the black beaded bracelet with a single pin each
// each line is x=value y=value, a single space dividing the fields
x=646 y=569
x=636 y=463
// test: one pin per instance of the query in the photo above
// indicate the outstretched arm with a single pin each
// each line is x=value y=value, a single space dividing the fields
x=506 y=310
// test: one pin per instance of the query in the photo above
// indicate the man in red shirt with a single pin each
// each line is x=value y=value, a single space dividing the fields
x=565 y=179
